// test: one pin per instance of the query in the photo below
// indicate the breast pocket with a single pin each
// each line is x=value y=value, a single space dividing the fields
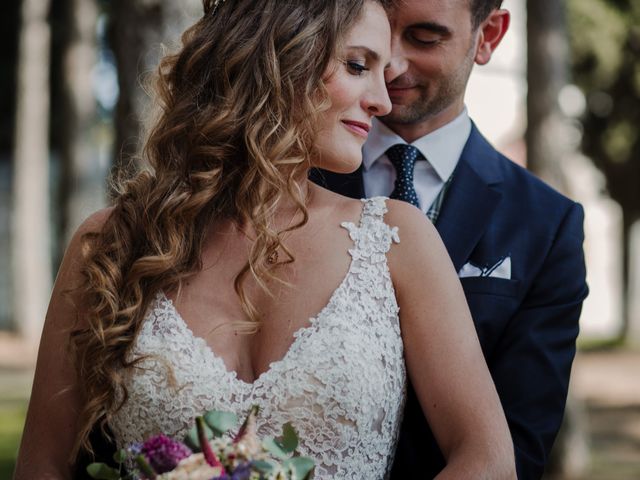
x=503 y=287
x=492 y=302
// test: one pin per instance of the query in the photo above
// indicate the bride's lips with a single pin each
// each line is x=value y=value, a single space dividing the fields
x=358 y=128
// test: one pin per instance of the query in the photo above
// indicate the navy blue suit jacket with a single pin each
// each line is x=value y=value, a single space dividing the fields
x=528 y=324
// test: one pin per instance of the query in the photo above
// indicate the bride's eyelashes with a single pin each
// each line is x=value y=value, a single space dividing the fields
x=355 y=67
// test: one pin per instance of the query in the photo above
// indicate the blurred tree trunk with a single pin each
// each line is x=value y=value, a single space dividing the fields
x=78 y=159
x=548 y=144
x=31 y=228
x=547 y=74
x=140 y=32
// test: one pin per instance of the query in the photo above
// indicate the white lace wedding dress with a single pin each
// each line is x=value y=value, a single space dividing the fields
x=341 y=384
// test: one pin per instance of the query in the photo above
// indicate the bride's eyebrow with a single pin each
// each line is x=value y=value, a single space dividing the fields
x=372 y=54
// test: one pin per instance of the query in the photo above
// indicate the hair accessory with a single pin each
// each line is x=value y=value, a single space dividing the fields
x=272 y=259
x=217 y=4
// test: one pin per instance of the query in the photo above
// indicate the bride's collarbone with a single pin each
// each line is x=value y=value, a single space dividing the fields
x=222 y=324
x=209 y=305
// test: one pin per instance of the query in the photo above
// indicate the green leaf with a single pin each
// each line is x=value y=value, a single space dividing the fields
x=289 y=439
x=192 y=440
x=220 y=422
x=120 y=456
x=102 y=471
x=273 y=447
x=282 y=447
x=264 y=466
x=301 y=467
x=145 y=467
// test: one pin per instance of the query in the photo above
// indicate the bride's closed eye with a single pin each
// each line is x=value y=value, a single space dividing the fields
x=356 y=67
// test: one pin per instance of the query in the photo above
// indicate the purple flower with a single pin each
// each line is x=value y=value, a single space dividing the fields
x=134 y=449
x=241 y=472
x=164 y=453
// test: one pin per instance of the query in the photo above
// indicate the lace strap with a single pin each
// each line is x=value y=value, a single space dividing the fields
x=374 y=208
x=372 y=235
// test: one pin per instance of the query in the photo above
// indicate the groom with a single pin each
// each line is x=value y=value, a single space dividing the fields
x=515 y=242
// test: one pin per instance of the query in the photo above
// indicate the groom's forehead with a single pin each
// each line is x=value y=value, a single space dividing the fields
x=444 y=17
x=430 y=8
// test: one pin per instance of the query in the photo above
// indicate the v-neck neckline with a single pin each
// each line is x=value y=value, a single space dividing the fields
x=312 y=321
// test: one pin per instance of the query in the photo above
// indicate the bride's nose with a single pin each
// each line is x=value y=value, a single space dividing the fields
x=377 y=101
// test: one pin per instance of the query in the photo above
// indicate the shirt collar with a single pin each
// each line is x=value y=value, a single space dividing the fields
x=442 y=147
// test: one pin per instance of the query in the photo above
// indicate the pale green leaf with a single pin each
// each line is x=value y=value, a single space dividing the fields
x=101 y=471
x=192 y=440
x=264 y=466
x=120 y=456
x=220 y=422
x=274 y=448
x=300 y=467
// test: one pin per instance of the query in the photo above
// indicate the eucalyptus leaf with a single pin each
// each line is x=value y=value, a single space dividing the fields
x=101 y=471
x=120 y=456
x=289 y=439
x=220 y=422
x=301 y=467
x=274 y=448
x=192 y=440
x=264 y=466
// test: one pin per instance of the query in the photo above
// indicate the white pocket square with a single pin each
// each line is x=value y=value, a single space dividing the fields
x=501 y=269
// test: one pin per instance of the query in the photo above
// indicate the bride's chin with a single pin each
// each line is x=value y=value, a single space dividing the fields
x=352 y=167
x=344 y=165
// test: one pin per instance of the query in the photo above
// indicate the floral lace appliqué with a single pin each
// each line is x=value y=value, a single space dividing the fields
x=342 y=383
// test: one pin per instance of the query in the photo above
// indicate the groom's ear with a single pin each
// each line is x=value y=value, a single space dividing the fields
x=490 y=33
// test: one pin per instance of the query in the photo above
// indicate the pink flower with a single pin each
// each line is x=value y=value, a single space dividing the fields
x=246 y=439
x=208 y=453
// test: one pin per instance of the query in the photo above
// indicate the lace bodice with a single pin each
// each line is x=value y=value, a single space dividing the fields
x=341 y=383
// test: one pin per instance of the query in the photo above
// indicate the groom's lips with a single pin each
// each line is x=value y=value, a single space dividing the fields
x=399 y=91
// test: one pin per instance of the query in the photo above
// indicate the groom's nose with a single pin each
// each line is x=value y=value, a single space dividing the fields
x=399 y=63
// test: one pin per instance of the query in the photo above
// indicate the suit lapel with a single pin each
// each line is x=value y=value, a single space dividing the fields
x=471 y=199
x=468 y=206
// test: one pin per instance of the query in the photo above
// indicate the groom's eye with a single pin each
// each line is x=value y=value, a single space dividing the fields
x=424 y=37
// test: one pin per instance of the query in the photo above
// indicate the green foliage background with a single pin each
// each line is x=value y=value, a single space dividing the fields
x=605 y=42
x=11 y=423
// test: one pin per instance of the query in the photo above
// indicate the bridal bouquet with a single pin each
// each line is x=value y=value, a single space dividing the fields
x=210 y=452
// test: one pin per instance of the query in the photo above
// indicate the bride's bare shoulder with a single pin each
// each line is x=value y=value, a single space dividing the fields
x=413 y=225
x=420 y=247
x=69 y=274
x=94 y=222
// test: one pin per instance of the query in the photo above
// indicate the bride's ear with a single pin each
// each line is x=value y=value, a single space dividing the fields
x=491 y=32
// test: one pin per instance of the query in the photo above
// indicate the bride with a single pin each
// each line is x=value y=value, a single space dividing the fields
x=221 y=277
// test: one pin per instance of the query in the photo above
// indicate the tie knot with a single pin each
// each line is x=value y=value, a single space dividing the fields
x=403 y=157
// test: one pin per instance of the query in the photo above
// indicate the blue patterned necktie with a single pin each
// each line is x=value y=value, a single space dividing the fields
x=403 y=158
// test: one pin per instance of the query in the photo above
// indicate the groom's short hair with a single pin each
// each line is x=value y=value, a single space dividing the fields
x=480 y=10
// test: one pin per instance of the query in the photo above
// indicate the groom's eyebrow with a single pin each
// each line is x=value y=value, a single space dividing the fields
x=431 y=27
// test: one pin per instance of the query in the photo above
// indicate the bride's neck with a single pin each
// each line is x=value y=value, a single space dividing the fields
x=287 y=211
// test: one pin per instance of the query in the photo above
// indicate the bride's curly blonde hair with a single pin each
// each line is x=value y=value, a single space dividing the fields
x=234 y=138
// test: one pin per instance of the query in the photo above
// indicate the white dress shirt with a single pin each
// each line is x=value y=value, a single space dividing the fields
x=442 y=149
